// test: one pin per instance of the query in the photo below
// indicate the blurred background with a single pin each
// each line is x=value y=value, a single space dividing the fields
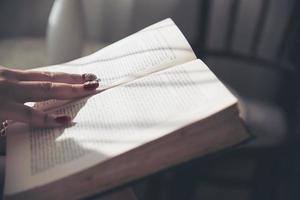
x=251 y=45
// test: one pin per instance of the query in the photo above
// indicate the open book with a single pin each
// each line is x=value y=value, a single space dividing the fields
x=157 y=106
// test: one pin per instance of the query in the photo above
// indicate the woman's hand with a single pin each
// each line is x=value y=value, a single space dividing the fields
x=18 y=87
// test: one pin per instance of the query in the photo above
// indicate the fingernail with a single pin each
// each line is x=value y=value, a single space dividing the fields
x=91 y=85
x=63 y=119
x=88 y=77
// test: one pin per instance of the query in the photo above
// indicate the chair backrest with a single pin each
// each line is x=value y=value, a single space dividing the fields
x=107 y=21
x=110 y=20
x=248 y=44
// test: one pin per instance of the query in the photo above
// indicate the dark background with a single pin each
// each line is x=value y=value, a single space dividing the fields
x=252 y=46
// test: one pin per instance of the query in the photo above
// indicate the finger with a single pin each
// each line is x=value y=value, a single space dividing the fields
x=58 y=77
x=33 y=117
x=6 y=73
x=40 y=91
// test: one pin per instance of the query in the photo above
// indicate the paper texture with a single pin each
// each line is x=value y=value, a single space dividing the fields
x=114 y=122
x=120 y=118
x=156 y=47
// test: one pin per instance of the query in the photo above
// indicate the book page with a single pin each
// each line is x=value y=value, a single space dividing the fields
x=113 y=122
x=159 y=46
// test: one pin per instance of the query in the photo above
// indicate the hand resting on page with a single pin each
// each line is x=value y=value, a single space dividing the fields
x=18 y=87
